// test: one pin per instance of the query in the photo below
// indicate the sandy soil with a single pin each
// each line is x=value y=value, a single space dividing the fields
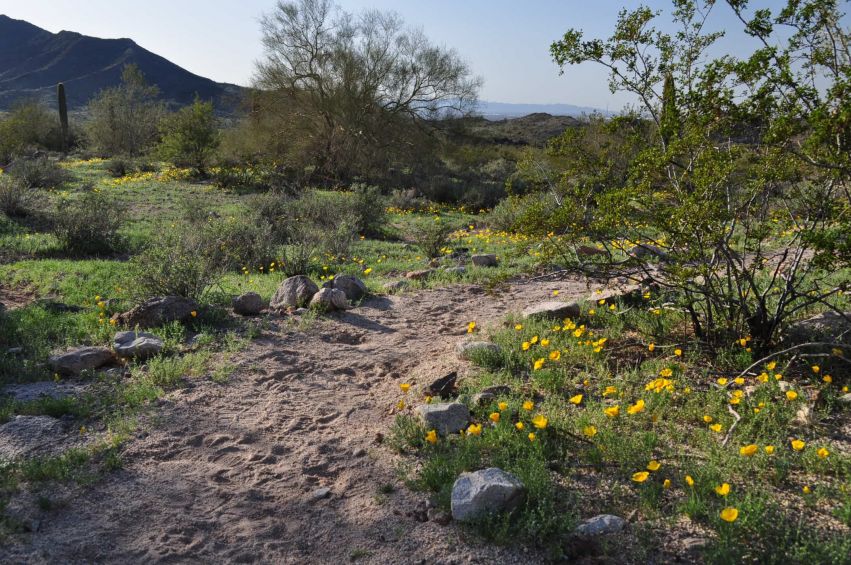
x=228 y=473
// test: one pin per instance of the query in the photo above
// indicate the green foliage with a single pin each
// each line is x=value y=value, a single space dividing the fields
x=190 y=137
x=89 y=224
x=38 y=172
x=28 y=126
x=16 y=198
x=124 y=120
x=431 y=235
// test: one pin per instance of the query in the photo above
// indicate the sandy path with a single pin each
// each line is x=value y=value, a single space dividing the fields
x=228 y=472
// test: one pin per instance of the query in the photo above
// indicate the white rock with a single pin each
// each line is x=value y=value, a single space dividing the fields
x=329 y=299
x=489 y=491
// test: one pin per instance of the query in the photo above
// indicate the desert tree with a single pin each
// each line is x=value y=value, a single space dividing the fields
x=737 y=202
x=124 y=120
x=355 y=86
x=190 y=136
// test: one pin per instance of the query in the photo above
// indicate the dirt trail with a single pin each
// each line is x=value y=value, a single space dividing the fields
x=228 y=473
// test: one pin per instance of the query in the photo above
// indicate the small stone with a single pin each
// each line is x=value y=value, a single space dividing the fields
x=492 y=490
x=396 y=286
x=329 y=299
x=446 y=418
x=320 y=493
x=483 y=398
x=552 y=310
x=75 y=361
x=601 y=525
x=457 y=271
x=484 y=260
x=467 y=349
x=293 y=292
x=248 y=304
x=419 y=275
x=137 y=345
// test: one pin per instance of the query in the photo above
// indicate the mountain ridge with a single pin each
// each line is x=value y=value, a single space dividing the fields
x=33 y=61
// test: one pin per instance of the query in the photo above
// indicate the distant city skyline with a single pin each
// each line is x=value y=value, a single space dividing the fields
x=505 y=42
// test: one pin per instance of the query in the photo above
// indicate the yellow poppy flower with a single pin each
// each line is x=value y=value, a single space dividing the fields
x=636 y=408
x=791 y=395
x=519 y=425
x=503 y=405
x=528 y=405
x=769 y=449
x=715 y=428
x=654 y=465
x=729 y=514
x=494 y=417
x=708 y=419
x=666 y=483
x=555 y=355
x=405 y=387
x=798 y=445
x=589 y=431
x=575 y=399
x=823 y=452
x=531 y=436
x=651 y=347
x=723 y=489
x=612 y=411
x=540 y=421
x=431 y=437
x=689 y=481
x=475 y=429
x=748 y=450
x=640 y=476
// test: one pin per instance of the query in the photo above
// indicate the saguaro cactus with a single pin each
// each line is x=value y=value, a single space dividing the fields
x=63 y=115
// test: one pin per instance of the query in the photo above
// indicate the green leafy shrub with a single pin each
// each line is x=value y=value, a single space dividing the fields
x=431 y=235
x=39 y=172
x=233 y=243
x=16 y=197
x=120 y=166
x=368 y=208
x=190 y=136
x=89 y=224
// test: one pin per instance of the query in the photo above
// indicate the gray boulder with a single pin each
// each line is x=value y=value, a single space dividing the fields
x=489 y=491
x=484 y=260
x=353 y=287
x=158 y=311
x=827 y=326
x=75 y=361
x=553 y=310
x=294 y=292
x=28 y=392
x=457 y=271
x=445 y=418
x=136 y=345
x=466 y=349
x=329 y=299
x=600 y=525
x=248 y=304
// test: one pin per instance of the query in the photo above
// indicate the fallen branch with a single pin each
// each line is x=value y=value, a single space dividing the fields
x=797 y=347
x=730 y=431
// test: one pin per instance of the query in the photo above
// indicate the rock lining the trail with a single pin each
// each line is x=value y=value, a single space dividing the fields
x=552 y=310
x=137 y=345
x=157 y=312
x=600 y=525
x=489 y=491
x=354 y=288
x=329 y=299
x=79 y=359
x=294 y=292
x=445 y=418
x=248 y=304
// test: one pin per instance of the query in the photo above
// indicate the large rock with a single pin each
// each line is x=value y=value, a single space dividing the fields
x=158 y=311
x=553 y=310
x=601 y=525
x=445 y=418
x=827 y=326
x=484 y=260
x=75 y=361
x=467 y=349
x=28 y=392
x=419 y=275
x=248 y=304
x=27 y=436
x=353 y=287
x=294 y=292
x=489 y=491
x=136 y=345
x=329 y=299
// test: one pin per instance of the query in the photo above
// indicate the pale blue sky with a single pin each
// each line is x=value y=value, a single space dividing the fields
x=505 y=42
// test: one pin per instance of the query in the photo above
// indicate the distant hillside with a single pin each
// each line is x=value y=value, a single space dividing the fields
x=534 y=129
x=501 y=110
x=33 y=61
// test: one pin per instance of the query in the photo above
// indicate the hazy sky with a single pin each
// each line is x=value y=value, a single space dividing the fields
x=506 y=42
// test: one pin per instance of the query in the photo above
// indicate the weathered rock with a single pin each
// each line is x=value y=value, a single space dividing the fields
x=803 y=416
x=396 y=286
x=445 y=418
x=444 y=387
x=81 y=359
x=294 y=292
x=320 y=493
x=457 y=271
x=27 y=436
x=329 y=299
x=489 y=491
x=419 y=275
x=601 y=525
x=484 y=260
x=28 y=392
x=588 y=251
x=483 y=398
x=136 y=345
x=248 y=304
x=826 y=327
x=352 y=287
x=646 y=250
x=466 y=349
x=553 y=310
x=158 y=311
